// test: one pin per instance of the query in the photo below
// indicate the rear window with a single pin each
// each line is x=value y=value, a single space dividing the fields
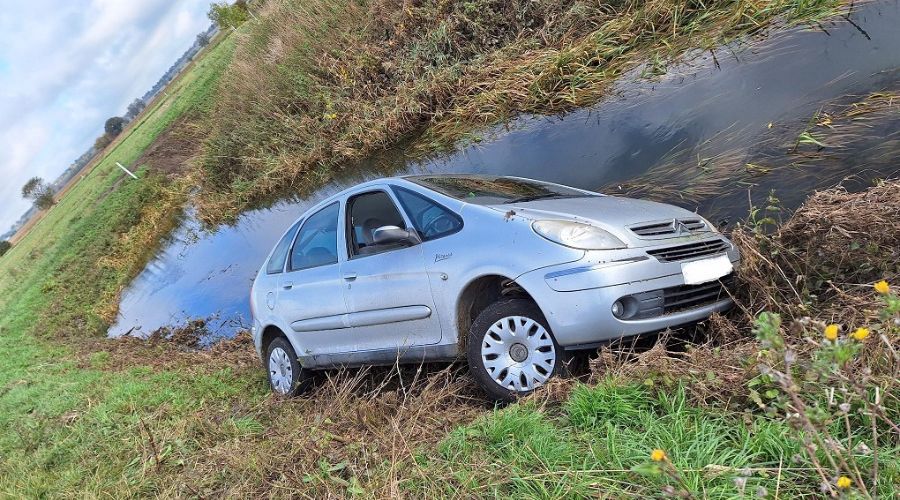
x=486 y=190
x=276 y=261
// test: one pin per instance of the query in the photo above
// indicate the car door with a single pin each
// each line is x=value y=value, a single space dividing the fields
x=310 y=293
x=387 y=289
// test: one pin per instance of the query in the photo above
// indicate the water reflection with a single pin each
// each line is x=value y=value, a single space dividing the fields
x=714 y=106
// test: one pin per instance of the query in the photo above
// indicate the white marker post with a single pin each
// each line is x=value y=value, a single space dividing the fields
x=126 y=170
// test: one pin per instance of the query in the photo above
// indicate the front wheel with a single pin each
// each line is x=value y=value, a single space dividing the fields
x=286 y=377
x=511 y=350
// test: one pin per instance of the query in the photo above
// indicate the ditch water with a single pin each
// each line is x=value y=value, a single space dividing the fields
x=686 y=138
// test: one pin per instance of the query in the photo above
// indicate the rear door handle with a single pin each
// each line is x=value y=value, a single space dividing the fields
x=287 y=285
x=350 y=276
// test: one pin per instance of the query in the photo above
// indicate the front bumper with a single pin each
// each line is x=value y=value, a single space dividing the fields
x=577 y=298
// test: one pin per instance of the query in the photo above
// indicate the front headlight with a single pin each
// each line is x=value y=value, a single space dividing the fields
x=577 y=235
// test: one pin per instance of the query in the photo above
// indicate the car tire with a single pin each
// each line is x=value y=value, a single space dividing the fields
x=511 y=350
x=286 y=377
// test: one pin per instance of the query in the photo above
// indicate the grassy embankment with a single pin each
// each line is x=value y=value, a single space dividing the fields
x=133 y=419
x=318 y=83
x=57 y=288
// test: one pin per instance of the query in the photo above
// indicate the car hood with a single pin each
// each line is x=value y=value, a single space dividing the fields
x=611 y=213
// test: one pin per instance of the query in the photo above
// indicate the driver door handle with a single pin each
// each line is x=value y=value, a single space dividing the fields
x=287 y=285
x=349 y=276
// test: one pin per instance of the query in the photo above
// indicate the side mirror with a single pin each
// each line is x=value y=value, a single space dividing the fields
x=387 y=235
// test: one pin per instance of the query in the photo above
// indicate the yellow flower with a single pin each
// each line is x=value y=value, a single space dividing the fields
x=831 y=332
x=657 y=455
x=882 y=287
x=844 y=482
x=861 y=334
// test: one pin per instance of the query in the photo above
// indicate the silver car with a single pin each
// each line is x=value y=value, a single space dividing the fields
x=509 y=272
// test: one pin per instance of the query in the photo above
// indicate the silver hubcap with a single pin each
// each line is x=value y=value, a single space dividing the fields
x=280 y=371
x=518 y=353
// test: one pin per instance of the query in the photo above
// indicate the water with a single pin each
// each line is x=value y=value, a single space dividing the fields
x=648 y=139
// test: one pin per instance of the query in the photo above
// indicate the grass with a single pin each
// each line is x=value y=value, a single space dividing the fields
x=586 y=447
x=599 y=443
x=66 y=423
x=70 y=428
x=317 y=84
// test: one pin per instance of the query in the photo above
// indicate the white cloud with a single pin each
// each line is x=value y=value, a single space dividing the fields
x=65 y=67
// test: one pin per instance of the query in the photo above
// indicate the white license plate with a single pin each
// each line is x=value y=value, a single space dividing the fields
x=706 y=270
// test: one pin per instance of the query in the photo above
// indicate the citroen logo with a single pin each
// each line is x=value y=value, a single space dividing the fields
x=679 y=227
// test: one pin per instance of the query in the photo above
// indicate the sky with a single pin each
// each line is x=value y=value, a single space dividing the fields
x=67 y=66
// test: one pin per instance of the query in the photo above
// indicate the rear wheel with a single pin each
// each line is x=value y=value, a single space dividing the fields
x=511 y=350
x=286 y=377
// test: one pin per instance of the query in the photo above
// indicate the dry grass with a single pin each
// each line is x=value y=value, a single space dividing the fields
x=825 y=258
x=316 y=84
x=817 y=268
x=359 y=432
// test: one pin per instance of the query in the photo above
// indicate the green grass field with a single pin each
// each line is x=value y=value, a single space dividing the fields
x=52 y=286
x=82 y=416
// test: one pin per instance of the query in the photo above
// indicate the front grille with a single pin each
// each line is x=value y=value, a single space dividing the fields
x=679 y=298
x=682 y=297
x=689 y=251
x=671 y=227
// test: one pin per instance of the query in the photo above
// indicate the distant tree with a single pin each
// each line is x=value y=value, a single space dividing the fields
x=39 y=192
x=114 y=126
x=202 y=39
x=228 y=16
x=34 y=185
x=45 y=200
x=4 y=247
x=102 y=142
x=135 y=108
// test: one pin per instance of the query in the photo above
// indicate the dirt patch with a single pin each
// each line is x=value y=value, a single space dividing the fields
x=172 y=151
x=172 y=348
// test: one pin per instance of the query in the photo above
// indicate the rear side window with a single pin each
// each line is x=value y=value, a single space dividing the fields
x=430 y=219
x=316 y=243
x=276 y=261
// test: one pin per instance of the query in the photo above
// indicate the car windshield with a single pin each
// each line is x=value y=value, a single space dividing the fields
x=495 y=190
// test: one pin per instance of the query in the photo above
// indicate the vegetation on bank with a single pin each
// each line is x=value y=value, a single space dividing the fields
x=315 y=84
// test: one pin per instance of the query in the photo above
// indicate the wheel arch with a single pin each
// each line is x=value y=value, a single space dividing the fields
x=270 y=333
x=477 y=295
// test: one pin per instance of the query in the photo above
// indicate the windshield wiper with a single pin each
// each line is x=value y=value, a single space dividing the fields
x=536 y=197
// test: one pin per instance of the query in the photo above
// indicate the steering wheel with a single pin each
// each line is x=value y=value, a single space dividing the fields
x=439 y=224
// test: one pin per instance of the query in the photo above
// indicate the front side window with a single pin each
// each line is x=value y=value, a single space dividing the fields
x=430 y=219
x=487 y=190
x=366 y=213
x=279 y=255
x=316 y=244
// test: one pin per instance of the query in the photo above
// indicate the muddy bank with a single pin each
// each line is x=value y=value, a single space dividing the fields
x=173 y=149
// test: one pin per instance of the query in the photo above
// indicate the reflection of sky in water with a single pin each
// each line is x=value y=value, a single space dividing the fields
x=696 y=108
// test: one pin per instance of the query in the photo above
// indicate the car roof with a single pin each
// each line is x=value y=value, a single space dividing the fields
x=412 y=178
x=401 y=179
